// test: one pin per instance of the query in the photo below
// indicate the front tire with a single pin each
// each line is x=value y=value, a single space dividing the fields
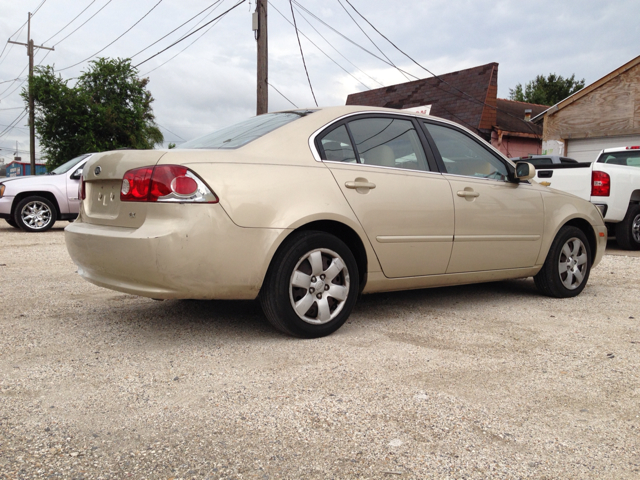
x=628 y=230
x=566 y=269
x=311 y=286
x=35 y=214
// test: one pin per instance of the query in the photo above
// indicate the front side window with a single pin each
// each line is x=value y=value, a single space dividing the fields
x=464 y=156
x=244 y=132
x=388 y=142
x=630 y=158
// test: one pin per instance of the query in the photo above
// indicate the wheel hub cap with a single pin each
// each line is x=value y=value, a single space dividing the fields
x=572 y=265
x=319 y=286
x=36 y=215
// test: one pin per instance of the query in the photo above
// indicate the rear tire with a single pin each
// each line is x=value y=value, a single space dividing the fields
x=566 y=269
x=35 y=214
x=311 y=286
x=628 y=230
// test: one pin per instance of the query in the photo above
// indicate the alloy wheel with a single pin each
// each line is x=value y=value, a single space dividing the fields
x=319 y=286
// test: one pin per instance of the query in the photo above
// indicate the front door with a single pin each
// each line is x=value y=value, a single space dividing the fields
x=498 y=223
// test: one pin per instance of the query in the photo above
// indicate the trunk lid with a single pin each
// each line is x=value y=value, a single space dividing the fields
x=103 y=175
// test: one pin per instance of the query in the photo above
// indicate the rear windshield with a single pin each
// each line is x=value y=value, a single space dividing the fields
x=630 y=158
x=539 y=161
x=244 y=132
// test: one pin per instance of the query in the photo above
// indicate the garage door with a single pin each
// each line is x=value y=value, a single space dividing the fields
x=587 y=149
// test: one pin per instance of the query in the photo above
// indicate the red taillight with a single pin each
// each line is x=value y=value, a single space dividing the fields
x=135 y=185
x=600 y=184
x=164 y=183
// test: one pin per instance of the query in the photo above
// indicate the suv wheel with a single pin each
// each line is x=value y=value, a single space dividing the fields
x=35 y=214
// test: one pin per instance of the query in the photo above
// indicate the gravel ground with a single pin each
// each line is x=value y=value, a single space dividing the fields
x=484 y=381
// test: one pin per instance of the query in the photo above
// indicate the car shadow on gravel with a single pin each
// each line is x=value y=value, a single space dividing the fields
x=479 y=295
x=204 y=319
x=218 y=320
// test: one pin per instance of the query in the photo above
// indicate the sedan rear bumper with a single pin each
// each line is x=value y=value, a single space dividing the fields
x=180 y=251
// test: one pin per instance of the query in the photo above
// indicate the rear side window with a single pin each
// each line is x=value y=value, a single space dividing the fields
x=462 y=155
x=630 y=158
x=336 y=146
x=244 y=132
x=388 y=142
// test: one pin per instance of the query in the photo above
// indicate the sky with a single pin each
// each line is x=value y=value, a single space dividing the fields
x=202 y=86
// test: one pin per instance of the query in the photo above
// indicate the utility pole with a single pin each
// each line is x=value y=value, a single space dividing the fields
x=260 y=27
x=32 y=132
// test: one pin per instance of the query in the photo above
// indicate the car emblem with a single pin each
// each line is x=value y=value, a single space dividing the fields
x=97 y=170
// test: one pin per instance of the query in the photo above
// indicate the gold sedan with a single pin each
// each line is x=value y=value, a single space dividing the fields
x=307 y=209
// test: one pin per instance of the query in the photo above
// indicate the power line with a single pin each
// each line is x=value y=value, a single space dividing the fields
x=83 y=24
x=324 y=53
x=12 y=108
x=434 y=75
x=174 y=133
x=282 y=94
x=177 y=28
x=123 y=34
x=351 y=41
x=370 y=39
x=301 y=53
x=337 y=51
x=198 y=38
x=74 y=19
x=187 y=36
x=14 y=123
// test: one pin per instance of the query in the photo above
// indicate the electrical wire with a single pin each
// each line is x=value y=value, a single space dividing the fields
x=187 y=36
x=173 y=133
x=295 y=26
x=12 y=108
x=464 y=94
x=337 y=51
x=197 y=38
x=322 y=51
x=178 y=27
x=122 y=35
x=83 y=24
x=370 y=39
x=351 y=41
x=74 y=19
x=282 y=94
x=14 y=123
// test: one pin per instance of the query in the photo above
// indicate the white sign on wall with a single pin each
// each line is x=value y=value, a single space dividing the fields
x=424 y=110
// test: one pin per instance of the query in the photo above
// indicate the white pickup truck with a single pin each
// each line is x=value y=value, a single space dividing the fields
x=612 y=183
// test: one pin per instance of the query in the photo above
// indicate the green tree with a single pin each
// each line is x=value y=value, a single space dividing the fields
x=108 y=108
x=546 y=90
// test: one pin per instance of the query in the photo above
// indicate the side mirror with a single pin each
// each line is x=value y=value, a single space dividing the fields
x=77 y=174
x=525 y=171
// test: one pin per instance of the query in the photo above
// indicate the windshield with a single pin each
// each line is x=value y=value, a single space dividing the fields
x=244 y=132
x=69 y=165
x=629 y=157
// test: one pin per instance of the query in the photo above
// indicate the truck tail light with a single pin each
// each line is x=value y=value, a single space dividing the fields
x=600 y=184
x=165 y=183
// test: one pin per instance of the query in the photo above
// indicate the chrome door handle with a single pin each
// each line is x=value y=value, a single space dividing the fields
x=359 y=184
x=467 y=193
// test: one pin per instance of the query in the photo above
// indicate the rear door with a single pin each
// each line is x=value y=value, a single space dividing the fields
x=404 y=206
x=498 y=223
